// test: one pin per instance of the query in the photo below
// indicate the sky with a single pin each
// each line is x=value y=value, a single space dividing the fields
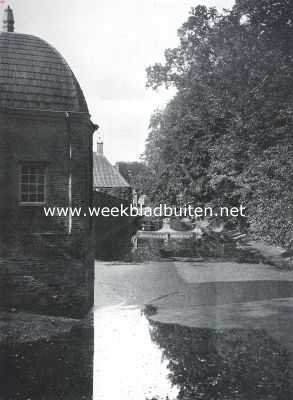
x=108 y=45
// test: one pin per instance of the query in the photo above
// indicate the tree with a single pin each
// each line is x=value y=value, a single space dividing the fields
x=228 y=128
x=137 y=174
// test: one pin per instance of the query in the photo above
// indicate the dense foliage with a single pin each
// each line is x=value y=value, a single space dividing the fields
x=138 y=175
x=226 y=136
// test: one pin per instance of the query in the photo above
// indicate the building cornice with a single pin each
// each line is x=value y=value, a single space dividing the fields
x=44 y=113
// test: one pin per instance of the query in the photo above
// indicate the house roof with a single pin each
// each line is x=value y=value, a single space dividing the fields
x=105 y=175
x=34 y=76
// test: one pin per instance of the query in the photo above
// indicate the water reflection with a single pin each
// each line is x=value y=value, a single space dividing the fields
x=229 y=364
x=137 y=358
x=128 y=365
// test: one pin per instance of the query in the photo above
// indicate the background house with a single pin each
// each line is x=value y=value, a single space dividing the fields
x=110 y=190
x=107 y=178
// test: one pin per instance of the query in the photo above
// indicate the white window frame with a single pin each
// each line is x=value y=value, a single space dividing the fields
x=21 y=182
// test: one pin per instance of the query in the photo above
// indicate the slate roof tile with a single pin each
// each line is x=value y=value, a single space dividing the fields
x=34 y=76
x=105 y=175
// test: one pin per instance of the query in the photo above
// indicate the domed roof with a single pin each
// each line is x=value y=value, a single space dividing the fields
x=34 y=76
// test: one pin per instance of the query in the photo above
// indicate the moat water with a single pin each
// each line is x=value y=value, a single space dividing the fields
x=160 y=334
x=169 y=325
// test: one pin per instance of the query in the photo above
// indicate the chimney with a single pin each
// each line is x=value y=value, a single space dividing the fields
x=100 y=145
x=8 y=20
x=100 y=148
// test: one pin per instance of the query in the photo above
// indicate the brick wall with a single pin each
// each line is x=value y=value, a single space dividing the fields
x=45 y=137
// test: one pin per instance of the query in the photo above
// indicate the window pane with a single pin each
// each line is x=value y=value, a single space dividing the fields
x=32 y=188
x=40 y=198
x=33 y=178
x=32 y=181
x=24 y=197
x=41 y=178
x=32 y=169
x=33 y=198
x=24 y=188
x=25 y=178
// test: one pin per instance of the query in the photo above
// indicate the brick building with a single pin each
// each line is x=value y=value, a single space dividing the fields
x=45 y=154
x=110 y=190
x=107 y=178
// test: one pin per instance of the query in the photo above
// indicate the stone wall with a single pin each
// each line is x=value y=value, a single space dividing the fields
x=47 y=279
x=46 y=269
x=45 y=137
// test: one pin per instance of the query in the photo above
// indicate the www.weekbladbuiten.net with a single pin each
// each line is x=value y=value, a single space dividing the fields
x=161 y=211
